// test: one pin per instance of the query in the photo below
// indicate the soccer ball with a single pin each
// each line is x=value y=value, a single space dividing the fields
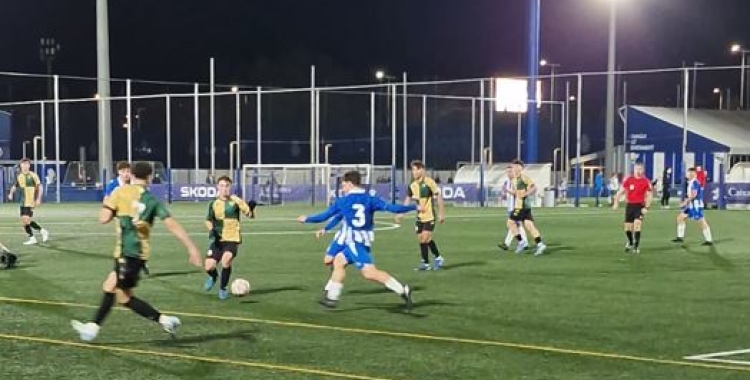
x=240 y=287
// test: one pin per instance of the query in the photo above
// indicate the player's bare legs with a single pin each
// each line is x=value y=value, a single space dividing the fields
x=372 y=273
x=126 y=297
x=336 y=282
x=681 y=227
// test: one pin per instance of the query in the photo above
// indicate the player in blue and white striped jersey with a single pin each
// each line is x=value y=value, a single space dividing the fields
x=357 y=209
x=692 y=208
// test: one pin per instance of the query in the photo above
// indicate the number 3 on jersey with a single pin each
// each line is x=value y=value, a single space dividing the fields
x=359 y=215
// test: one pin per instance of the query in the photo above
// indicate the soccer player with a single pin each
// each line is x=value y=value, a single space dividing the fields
x=123 y=178
x=614 y=187
x=136 y=209
x=31 y=196
x=692 y=208
x=638 y=193
x=510 y=200
x=358 y=209
x=425 y=192
x=523 y=186
x=223 y=222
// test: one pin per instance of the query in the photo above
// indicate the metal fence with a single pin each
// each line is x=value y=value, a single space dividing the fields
x=195 y=127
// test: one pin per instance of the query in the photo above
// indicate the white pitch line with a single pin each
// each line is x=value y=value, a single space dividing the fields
x=725 y=361
x=717 y=354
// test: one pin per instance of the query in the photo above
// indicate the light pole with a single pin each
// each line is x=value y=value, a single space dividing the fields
x=552 y=68
x=609 y=135
x=36 y=152
x=737 y=49
x=326 y=148
x=695 y=81
x=49 y=49
x=721 y=97
x=24 y=149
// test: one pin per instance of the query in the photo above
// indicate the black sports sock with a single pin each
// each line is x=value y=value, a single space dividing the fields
x=519 y=237
x=538 y=239
x=213 y=273
x=28 y=231
x=434 y=248
x=35 y=226
x=629 y=234
x=143 y=309
x=424 y=250
x=104 y=307
x=637 y=238
x=225 y=273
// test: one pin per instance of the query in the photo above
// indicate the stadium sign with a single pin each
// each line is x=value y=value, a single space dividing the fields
x=194 y=192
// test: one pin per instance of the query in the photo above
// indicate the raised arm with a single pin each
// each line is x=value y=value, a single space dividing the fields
x=333 y=222
x=322 y=217
x=244 y=207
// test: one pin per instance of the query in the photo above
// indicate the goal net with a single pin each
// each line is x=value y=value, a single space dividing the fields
x=282 y=184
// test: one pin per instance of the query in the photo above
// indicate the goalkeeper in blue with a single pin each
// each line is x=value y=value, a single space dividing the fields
x=692 y=208
x=358 y=209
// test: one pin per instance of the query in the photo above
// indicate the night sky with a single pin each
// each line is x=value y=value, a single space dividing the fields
x=273 y=43
x=172 y=40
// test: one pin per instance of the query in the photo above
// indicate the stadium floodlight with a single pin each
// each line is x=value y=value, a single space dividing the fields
x=235 y=88
x=721 y=97
x=552 y=68
x=380 y=75
x=738 y=49
x=511 y=95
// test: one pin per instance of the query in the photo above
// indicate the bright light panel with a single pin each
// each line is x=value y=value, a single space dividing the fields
x=511 y=95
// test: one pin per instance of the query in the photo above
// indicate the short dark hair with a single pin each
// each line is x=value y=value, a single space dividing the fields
x=25 y=159
x=692 y=169
x=518 y=162
x=123 y=165
x=354 y=177
x=417 y=164
x=142 y=170
x=224 y=178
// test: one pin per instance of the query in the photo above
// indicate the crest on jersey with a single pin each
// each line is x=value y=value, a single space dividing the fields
x=632 y=187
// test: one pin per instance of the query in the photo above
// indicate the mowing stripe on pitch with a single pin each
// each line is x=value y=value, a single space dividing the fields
x=434 y=338
x=178 y=356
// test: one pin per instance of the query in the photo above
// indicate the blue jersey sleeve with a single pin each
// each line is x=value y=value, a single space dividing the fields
x=325 y=215
x=380 y=205
x=334 y=222
x=111 y=186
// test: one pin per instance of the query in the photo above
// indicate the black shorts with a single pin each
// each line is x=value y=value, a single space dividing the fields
x=216 y=250
x=128 y=270
x=27 y=211
x=633 y=212
x=521 y=214
x=424 y=226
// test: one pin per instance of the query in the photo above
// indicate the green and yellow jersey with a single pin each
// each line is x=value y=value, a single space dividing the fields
x=524 y=183
x=224 y=215
x=424 y=191
x=28 y=184
x=135 y=209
